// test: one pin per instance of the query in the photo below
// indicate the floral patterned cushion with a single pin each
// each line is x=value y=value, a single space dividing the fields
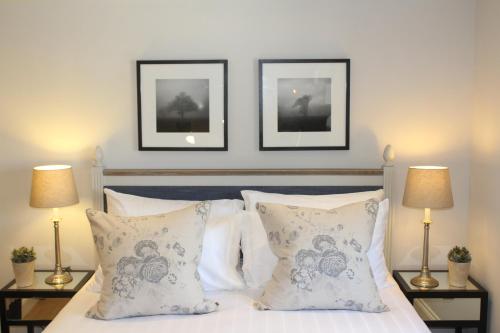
x=322 y=258
x=150 y=263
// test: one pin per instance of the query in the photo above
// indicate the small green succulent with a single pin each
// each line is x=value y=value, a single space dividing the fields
x=459 y=254
x=23 y=255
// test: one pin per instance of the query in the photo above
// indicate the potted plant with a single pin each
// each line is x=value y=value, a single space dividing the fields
x=459 y=259
x=23 y=263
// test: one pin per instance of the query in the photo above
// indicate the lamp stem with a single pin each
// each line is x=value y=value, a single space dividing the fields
x=58 y=268
x=427 y=225
x=425 y=257
x=425 y=280
x=59 y=276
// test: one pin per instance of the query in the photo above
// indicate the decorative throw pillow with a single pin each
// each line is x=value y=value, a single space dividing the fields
x=322 y=257
x=258 y=259
x=150 y=263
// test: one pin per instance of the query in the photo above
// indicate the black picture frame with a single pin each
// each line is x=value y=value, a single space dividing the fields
x=141 y=144
x=345 y=145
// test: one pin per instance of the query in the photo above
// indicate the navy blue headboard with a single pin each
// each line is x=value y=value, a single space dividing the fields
x=229 y=192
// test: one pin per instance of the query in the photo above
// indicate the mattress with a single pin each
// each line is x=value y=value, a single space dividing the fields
x=236 y=314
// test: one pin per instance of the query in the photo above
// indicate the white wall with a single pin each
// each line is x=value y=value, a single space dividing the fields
x=67 y=83
x=485 y=178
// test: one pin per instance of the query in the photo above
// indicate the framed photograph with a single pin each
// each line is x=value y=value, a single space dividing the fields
x=304 y=104
x=182 y=104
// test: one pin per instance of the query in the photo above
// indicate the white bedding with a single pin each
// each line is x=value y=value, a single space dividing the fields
x=236 y=314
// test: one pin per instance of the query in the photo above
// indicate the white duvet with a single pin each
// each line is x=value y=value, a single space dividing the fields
x=236 y=314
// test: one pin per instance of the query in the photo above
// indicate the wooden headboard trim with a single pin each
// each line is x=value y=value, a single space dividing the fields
x=242 y=172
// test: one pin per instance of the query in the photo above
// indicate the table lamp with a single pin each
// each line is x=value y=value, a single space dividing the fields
x=53 y=186
x=427 y=187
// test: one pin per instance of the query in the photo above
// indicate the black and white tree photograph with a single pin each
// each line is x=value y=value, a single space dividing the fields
x=182 y=105
x=304 y=105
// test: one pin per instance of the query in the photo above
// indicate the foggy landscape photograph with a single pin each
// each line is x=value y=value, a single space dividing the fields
x=304 y=104
x=182 y=105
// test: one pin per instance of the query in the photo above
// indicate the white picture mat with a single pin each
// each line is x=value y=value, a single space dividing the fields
x=271 y=72
x=152 y=72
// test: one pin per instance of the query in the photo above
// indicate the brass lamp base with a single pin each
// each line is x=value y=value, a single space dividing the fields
x=425 y=281
x=62 y=278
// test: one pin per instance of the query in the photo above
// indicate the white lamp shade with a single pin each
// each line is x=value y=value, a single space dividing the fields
x=53 y=186
x=428 y=187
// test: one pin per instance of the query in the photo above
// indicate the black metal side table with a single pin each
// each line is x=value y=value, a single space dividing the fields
x=38 y=304
x=447 y=306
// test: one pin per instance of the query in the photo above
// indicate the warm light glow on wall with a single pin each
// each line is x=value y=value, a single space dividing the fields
x=58 y=131
x=419 y=135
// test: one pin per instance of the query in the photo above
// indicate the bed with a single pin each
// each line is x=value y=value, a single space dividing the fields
x=236 y=312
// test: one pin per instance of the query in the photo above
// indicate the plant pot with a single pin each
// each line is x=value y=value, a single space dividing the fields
x=458 y=272
x=24 y=273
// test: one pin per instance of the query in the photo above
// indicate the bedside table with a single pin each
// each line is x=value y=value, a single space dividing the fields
x=446 y=306
x=38 y=304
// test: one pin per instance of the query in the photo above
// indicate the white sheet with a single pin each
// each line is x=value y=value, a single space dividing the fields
x=236 y=314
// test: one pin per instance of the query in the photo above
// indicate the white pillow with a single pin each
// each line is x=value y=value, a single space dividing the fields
x=95 y=282
x=258 y=259
x=220 y=257
x=375 y=254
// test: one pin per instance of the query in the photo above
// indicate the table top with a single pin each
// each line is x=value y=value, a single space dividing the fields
x=80 y=277
x=404 y=277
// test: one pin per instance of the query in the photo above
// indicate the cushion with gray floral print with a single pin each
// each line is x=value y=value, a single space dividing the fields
x=150 y=263
x=322 y=258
